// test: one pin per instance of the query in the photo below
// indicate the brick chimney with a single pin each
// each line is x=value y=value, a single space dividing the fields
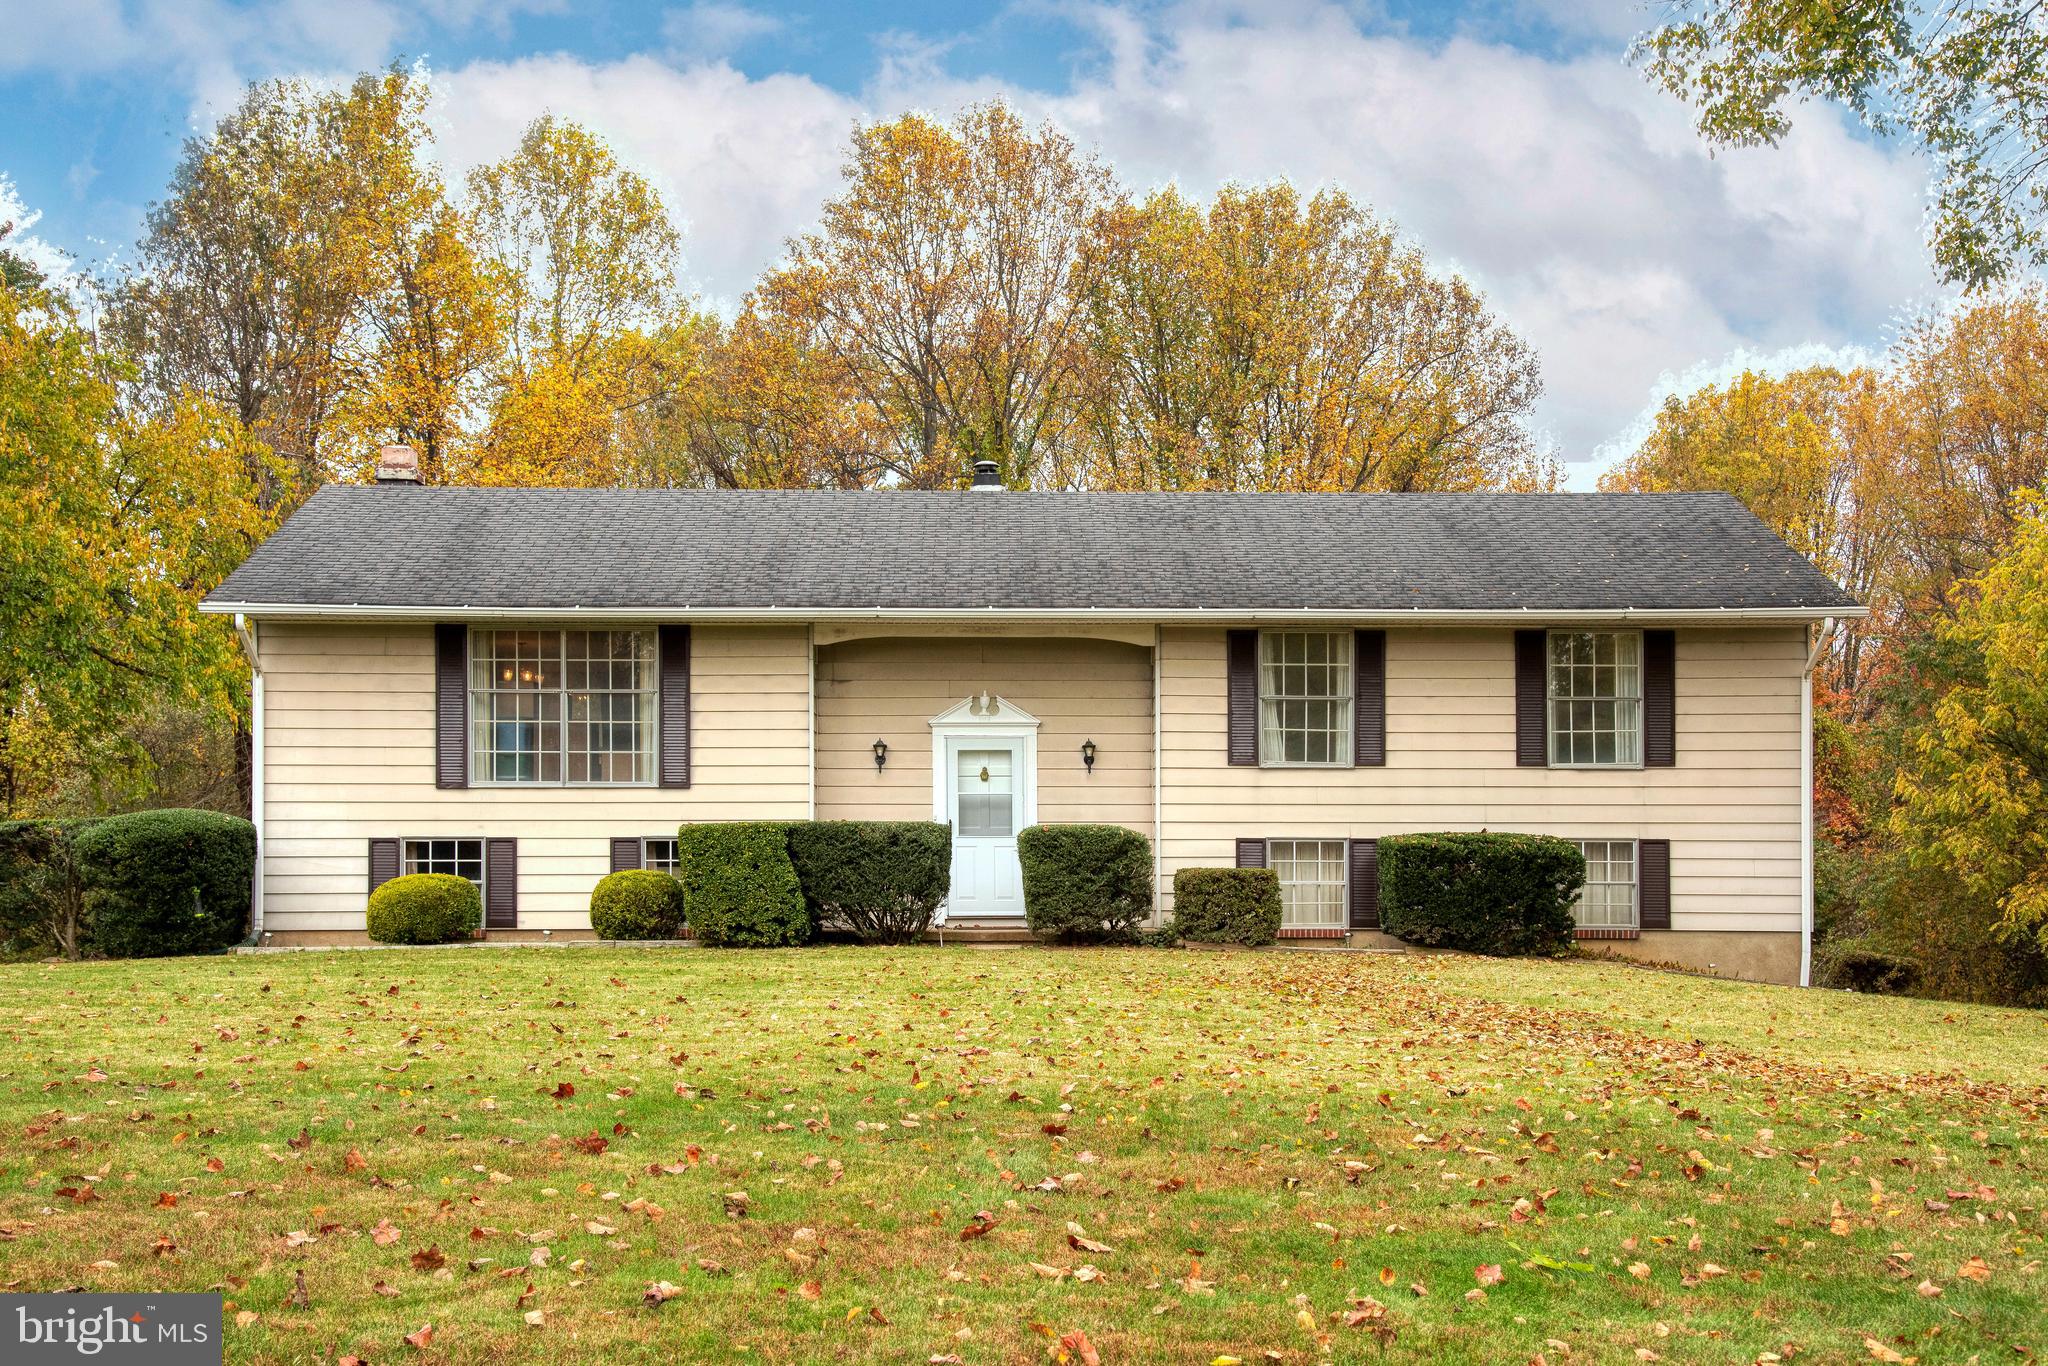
x=398 y=465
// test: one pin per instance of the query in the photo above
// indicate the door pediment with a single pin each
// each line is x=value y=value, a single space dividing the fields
x=983 y=710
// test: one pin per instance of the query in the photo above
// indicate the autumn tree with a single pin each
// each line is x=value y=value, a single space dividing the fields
x=597 y=327
x=119 y=520
x=236 y=296
x=939 y=298
x=1966 y=81
x=427 y=321
x=1808 y=453
x=1272 y=341
x=1972 y=433
x=1973 y=794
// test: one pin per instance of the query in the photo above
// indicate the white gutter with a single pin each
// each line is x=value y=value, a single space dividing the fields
x=246 y=633
x=1820 y=645
x=1217 y=615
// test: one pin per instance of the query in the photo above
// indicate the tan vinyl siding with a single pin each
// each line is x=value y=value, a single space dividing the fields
x=1079 y=689
x=349 y=755
x=1730 y=807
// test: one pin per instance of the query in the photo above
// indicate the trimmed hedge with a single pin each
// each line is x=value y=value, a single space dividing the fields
x=637 y=903
x=159 y=883
x=424 y=908
x=1486 y=893
x=1227 y=905
x=1085 y=883
x=883 y=880
x=739 y=887
x=42 y=889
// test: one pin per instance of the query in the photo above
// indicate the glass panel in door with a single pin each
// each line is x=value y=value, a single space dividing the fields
x=987 y=794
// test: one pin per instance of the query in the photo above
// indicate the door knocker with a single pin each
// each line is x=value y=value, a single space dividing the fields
x=984 y=772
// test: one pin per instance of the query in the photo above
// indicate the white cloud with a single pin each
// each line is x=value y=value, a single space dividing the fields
x=21 y=239
x=1575 y=195
x=710 y=29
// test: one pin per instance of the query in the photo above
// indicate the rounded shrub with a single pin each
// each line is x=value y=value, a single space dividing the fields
x=1085 y=883
x=424 y=908
x=1485 y=893
x=881 y=880
x=638 y=903
x=739 y=887
x=1227 y=905
x=160 y=883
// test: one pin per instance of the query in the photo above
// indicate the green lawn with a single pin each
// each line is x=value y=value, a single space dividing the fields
x=1292 y=1157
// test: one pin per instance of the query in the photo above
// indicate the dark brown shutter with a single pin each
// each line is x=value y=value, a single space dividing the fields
x=1660 y=701
x=451 y=705
x=1369 y=699
x=1241 y=652
x=1653 y=884
x=383 y=862
x=1532 y=741
x=501 y=884
x=1365 y=884
x=625 y=853
x=1251 y=853
x=675 y=706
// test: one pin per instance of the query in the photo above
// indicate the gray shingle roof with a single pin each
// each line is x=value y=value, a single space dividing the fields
x=404 y=546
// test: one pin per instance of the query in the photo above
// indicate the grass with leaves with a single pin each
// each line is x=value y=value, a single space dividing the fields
x=947 y=1154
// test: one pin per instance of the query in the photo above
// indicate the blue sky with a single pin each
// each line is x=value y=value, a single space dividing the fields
x=1509 y=139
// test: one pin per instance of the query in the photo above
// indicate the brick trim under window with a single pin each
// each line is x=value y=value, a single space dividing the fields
x=1606 y=933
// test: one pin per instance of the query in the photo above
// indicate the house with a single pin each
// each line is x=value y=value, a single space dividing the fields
x=532 y=687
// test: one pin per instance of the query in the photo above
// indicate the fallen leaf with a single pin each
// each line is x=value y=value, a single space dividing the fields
x=1490 y=1274
x=420 y=1339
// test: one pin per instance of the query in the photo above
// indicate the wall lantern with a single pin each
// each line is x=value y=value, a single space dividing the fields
x=1088 y=754
x=881 y=754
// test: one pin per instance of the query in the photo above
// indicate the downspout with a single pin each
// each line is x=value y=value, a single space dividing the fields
x=1813 y=656
x=811 y=721
x=1158 y=792
x=245 y=631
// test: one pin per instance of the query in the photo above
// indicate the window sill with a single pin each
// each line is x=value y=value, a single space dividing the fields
x=1606 y=932
x=558 y=787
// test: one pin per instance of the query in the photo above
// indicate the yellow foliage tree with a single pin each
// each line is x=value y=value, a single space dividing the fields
x=938 y=299
x=1973 y=790
x=119 y=520
x=598 y=331
x=1276 y=342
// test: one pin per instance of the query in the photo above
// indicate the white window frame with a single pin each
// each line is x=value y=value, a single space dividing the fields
x=1634 y=884
x=479 y=765
x=675 y=870
x=1341 y=923
x=483 y=857
x=1344 y=740
x=1551 y=700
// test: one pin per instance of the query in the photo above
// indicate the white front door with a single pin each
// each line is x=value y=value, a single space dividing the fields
x=985 y=788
